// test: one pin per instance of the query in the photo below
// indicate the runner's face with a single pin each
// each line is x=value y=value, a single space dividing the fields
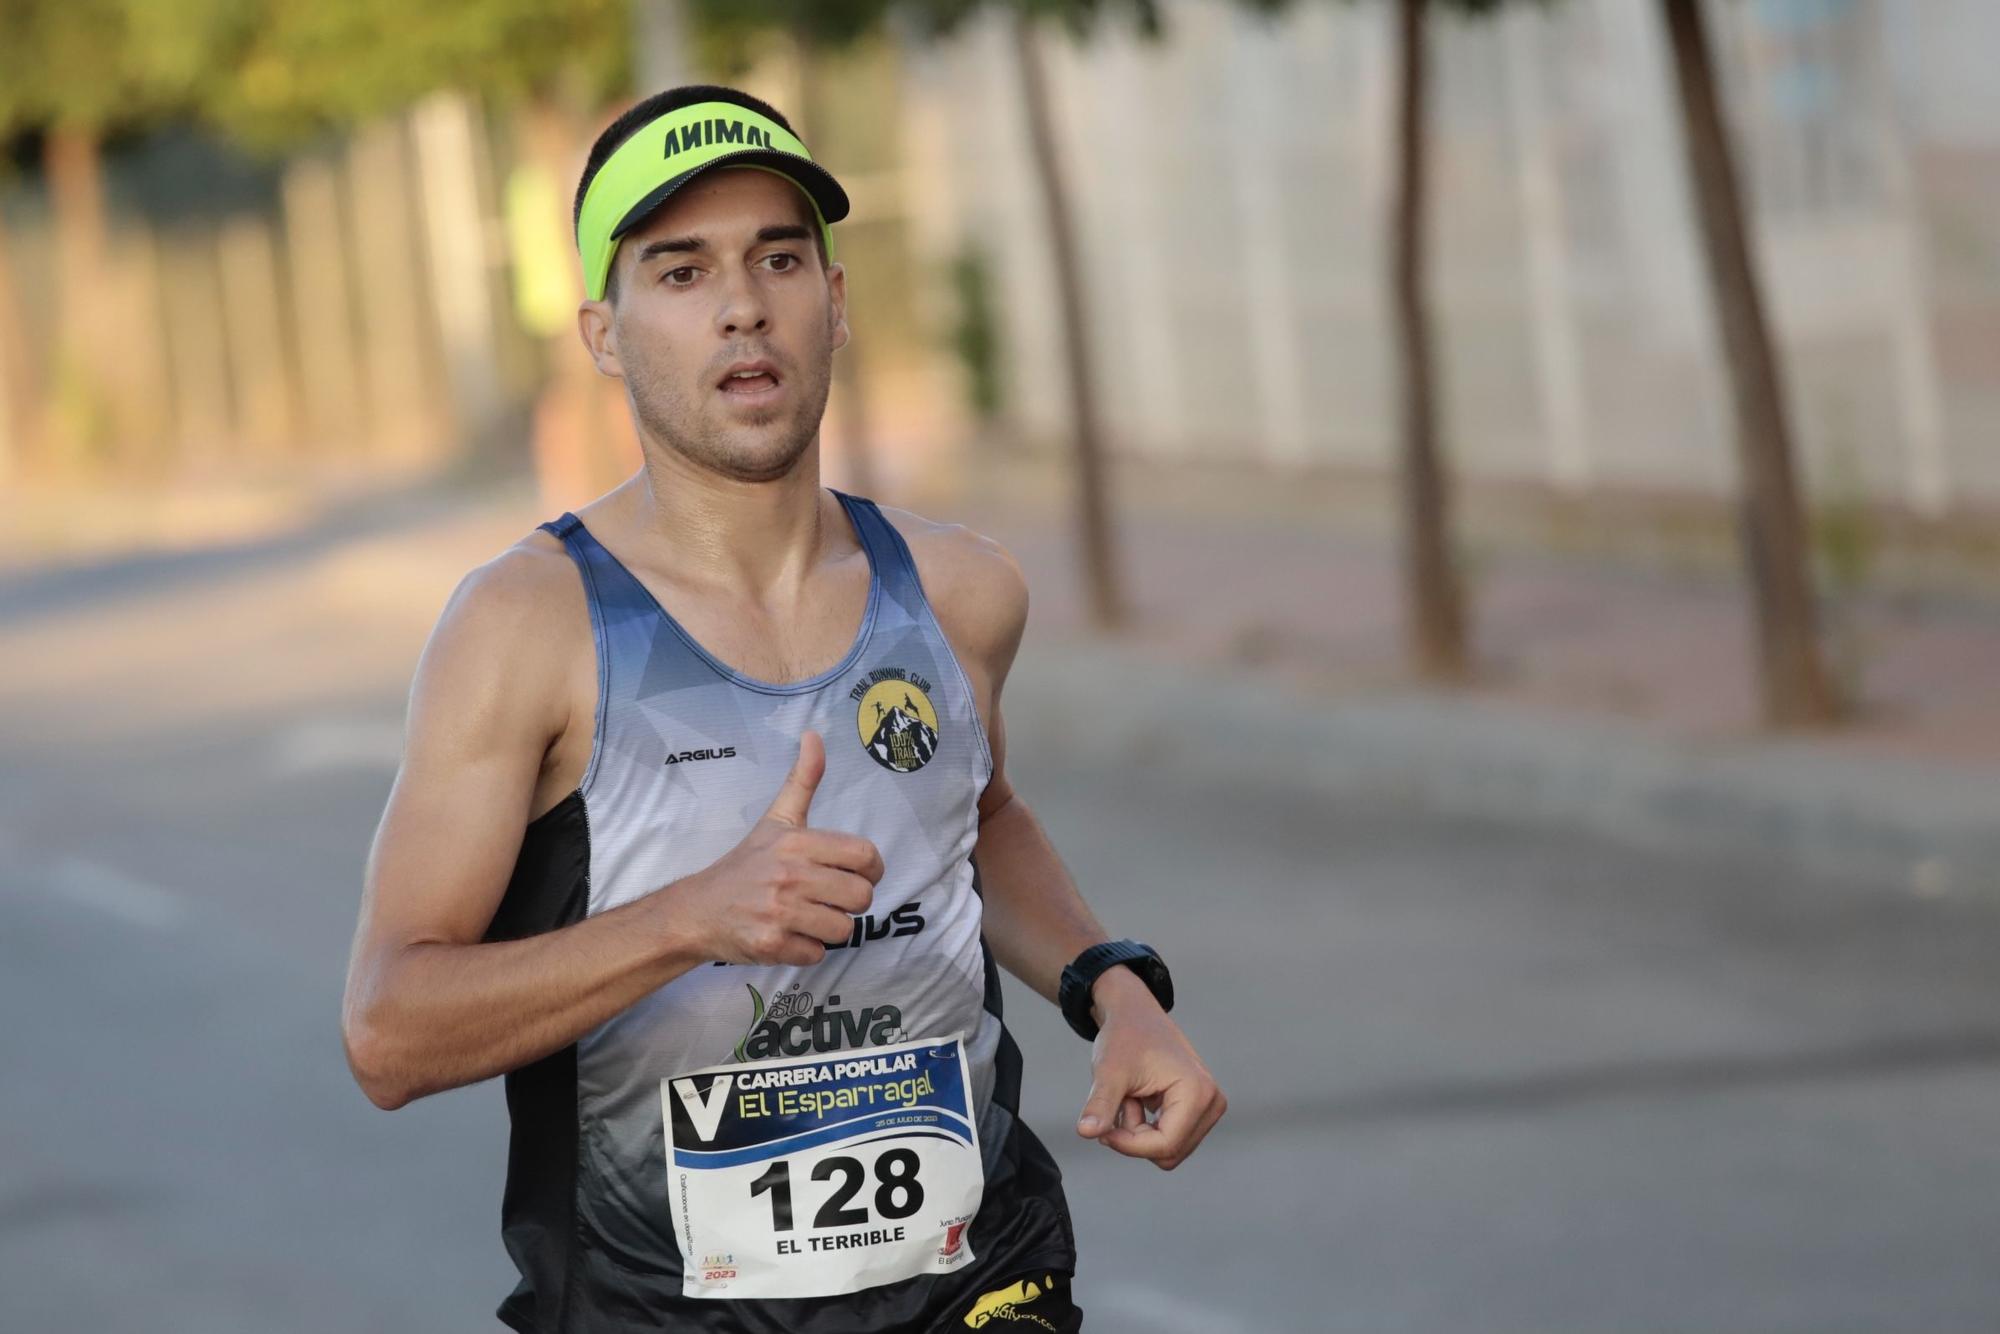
x=742 y=282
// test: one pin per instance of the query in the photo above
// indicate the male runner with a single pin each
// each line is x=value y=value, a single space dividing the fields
x=720 y=889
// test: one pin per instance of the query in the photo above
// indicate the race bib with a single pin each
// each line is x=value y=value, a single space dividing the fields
x=823 y=1174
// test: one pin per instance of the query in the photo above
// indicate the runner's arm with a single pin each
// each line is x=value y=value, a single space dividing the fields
x=1036 y=918
x=1036 y=922
x=428 y=1006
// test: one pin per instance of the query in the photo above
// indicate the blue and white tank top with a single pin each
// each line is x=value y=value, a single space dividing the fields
x=687 y=755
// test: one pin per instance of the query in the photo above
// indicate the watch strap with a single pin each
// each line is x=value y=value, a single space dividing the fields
x=1073 y=994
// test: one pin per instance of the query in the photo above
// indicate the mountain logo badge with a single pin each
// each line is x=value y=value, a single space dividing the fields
x=897 y=721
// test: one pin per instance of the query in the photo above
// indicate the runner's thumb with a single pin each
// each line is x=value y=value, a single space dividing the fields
x=793 y=799
x=1100 y=1109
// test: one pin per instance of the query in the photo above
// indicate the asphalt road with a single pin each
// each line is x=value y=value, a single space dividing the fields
x=1480 y=1080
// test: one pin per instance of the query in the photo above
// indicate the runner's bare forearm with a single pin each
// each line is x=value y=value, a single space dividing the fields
x=434 y=1015
x=1036 y=920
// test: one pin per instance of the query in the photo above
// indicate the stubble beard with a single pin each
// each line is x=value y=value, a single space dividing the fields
x=751 y=448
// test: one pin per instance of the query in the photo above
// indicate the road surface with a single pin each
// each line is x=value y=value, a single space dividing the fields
x=1480 y=1080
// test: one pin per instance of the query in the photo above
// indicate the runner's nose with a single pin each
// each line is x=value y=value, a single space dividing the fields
x=743 y=307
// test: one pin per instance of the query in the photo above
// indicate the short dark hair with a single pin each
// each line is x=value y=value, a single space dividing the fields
x=642 y=113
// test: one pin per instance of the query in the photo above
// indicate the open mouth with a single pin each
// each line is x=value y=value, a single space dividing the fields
x=751 y=382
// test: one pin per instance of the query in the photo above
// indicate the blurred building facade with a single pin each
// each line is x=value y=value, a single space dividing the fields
x=1233 y=185
x=397 y=299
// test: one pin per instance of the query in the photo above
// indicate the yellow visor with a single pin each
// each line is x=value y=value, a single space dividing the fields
x=663 y=156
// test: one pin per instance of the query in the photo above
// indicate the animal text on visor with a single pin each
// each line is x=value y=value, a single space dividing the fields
x=706 y=133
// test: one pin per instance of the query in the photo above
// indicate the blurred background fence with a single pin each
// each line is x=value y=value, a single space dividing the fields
x=346 y=306
x=396 y=298
x=381 y=304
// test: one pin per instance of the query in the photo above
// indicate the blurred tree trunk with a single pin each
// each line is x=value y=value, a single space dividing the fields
x=1796 y=688
x=661 y=45
x=76 y=196
x=139 y=390
x=260 y=363
x=453 y=204
x=410 y=416
x=583 y=438
x=850 y=384
x=17 y=378
x=204 y=421
x=1435 y=607
x=321 y=306
x=1104 y=587
x=75 y=173
x=547 y=132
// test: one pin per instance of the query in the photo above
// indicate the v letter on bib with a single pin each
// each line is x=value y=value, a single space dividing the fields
x=704 y=1110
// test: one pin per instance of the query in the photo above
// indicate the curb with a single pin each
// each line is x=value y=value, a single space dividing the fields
x=1936 y=828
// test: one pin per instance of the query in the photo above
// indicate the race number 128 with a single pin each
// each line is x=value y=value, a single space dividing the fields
x=898 y=1193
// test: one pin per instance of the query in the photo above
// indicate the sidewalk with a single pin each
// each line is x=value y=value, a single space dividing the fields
x=1614 y=697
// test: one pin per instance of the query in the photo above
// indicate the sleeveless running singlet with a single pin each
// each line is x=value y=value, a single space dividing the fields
x=760 y=1149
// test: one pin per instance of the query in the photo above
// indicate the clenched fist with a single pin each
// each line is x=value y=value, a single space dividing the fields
x=785 y=892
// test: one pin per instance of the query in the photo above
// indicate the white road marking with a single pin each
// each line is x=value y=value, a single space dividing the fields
x=324 y=744
x=112 y=891
x=1168 y=1312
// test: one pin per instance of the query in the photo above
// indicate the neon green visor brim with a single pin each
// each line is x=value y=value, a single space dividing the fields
x=669 y=152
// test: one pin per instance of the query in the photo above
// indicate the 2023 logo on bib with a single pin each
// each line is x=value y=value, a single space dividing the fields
x=825 y=1174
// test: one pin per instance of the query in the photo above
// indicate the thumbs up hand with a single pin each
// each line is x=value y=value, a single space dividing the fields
x=794 y=799
x=787 y=891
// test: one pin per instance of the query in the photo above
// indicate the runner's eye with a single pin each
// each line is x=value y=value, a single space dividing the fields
x=791 y=260
x=669 y=275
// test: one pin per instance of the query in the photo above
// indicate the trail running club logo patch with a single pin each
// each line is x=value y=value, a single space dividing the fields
x=898 y=724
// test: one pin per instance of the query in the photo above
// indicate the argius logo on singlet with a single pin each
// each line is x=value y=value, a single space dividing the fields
x=898 y=723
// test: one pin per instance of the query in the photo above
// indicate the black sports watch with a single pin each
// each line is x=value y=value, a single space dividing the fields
x=1073 y=995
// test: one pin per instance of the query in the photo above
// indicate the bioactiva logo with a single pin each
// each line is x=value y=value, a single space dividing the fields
x=791 y=1025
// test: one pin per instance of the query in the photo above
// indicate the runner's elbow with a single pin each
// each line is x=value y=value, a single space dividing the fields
x=385 y=1097
x=370 y=1061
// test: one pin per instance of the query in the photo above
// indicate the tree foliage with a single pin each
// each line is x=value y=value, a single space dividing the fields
x=309 y=65
x=100 y=66
x=272 y=72
x=836 y=23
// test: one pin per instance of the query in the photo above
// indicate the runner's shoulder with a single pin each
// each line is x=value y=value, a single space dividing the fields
x=514 y=623
x=531 y=585
x=973 y=583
